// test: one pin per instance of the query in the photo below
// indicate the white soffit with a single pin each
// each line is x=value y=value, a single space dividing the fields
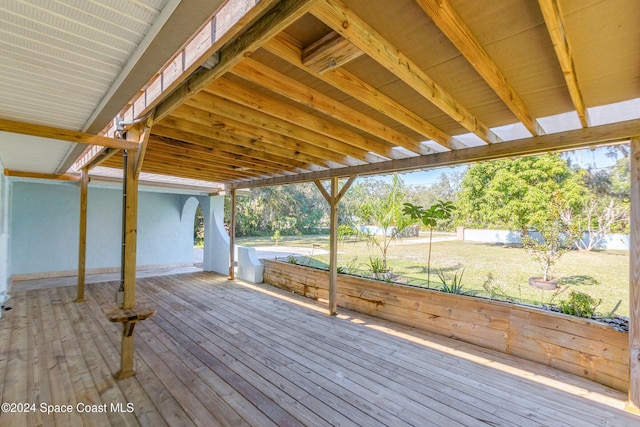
x=30 y=153
x=60 y=59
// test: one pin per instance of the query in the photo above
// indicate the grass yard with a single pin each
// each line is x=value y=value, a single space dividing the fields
x=504 y=270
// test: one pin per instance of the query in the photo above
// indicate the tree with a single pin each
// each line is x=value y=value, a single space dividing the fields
x=429 y=217
x=515 y=194
x=598 y=218
x=379 y=203
x=556 y=235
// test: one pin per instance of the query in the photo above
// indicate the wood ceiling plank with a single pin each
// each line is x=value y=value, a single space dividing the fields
x=65 y=135
x=447 y=19
x=555 y=25
x=561 y=141
x=225 y=108
x=285 y=47
x=341 y=19
x=242 y=95
x=269 y=78
x=232 y=142
x=271 y=23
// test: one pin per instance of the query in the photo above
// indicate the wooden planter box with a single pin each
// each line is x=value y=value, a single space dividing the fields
x=580 y=346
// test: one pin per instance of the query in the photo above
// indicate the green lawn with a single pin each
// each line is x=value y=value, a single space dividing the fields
x=602 y=274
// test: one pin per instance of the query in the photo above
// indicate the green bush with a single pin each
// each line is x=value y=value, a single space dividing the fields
x=579 y=304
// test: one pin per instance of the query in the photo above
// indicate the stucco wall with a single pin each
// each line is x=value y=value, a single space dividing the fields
x=44 y=228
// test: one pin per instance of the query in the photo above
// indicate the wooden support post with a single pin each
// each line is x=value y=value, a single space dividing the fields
x=333 y=199
x=232 y=235
x=82 y=246
x=129 y=313
x=634 y=280
x=130 y=233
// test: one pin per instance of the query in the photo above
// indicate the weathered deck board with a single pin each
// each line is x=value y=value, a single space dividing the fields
x=228 y=353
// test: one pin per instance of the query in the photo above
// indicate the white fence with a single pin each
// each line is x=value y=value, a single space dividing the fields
x=610 y=241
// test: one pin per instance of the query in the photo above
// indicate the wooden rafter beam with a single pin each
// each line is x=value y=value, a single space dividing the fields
x=239 y=140
x=341 y=19
x=562 y=141
x=285 y=86
x=157 y=159
x=555 y=25
x=271 y=23
x=223 y=163
x=285 y=47
x=169 y=146
x=38 y=175
x=249 y=116
x=447 y=19
x=228 y=141
x=64 y=135
x=330 y=52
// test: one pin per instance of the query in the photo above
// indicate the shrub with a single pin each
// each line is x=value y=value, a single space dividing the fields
x=579 y=304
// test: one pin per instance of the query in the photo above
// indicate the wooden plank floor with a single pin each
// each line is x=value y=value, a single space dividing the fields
x=229 y=353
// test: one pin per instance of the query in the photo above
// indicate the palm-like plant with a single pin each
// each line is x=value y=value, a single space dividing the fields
x=430 y=217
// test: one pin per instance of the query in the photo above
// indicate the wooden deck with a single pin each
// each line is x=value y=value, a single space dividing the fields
x=229 y=353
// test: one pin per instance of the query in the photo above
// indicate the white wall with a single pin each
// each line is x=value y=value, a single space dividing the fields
x=45 y=221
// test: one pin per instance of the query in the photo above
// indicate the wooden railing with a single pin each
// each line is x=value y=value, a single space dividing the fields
x=576 y=345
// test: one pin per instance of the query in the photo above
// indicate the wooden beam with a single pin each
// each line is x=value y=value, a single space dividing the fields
x=341 y=19
x=447 y=19
x=38 y=175
x=634 y=279
x=555 y=25
x=285 y=86
x=285 y=47
x=64 y=135
x=562 y=141
x=271 y=23
x=209 y=154
x=235 y=137
x=232 y=235
x=144 y=141
x=226 y=108
x=281 y=110
x=100 y=158
x=330 y=52
x=82 y=244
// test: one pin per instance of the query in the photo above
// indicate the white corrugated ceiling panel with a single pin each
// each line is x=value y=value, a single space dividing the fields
x=59 y=60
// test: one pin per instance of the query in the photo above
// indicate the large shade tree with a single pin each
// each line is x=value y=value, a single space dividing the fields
x=515 y=193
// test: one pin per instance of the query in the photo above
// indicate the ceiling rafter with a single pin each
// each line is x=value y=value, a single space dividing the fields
x=269 y=78
x=226 y=108
x=179 y=149
x=237 y=139
x=285 y=47
x=256 y=143
x=555 y=24
x=446 y=18
x=341 y=19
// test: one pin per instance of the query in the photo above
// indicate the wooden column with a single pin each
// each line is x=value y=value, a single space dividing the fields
x=232 y=235
x=82 y=246
x=129 y=313
x=634 y=280
x=333 y=199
